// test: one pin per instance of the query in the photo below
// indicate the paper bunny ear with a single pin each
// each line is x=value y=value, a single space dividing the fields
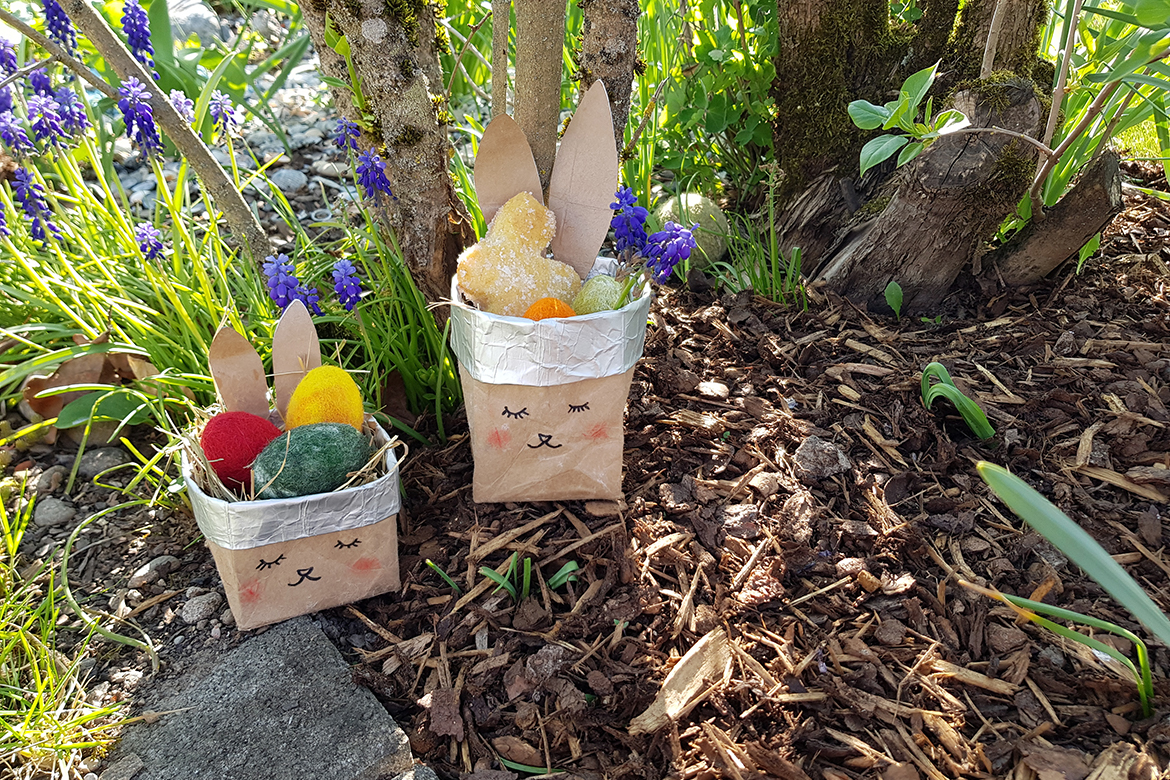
x=504 y=166
x=295 y=352
x=583 y=182
x=238 y=374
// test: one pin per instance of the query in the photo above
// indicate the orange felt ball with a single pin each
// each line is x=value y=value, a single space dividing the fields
x=325 y=394
x=231 y=441
x=547 y=308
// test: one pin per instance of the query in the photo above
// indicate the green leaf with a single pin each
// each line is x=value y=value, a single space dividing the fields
x=971 y=413
x=893 y=294
x=1127 y=18
x=909 y=152
x=564 y=574
x=160 y=32
x=1074 y=542
x=866 y=115
x=916 y=86
x=1087 y=251
x=1162 y=127
x=336 y=82
x=1154 y=14
x=879 y=149
x=104 y=406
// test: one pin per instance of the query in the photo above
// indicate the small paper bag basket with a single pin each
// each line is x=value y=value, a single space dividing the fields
x=279 y=558
x=545 y=400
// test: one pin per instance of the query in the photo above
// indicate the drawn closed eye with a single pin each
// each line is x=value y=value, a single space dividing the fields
x=516 y=415
x=343 y=546
x=578 y=407
x=269 y=564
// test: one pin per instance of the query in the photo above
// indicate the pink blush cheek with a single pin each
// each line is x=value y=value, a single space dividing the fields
x=250 y=592
x=599 y=432
x=366 y=564
x=499 y=438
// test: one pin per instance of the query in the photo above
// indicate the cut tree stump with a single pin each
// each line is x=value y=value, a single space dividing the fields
x=947 y=204
x=1044 y=244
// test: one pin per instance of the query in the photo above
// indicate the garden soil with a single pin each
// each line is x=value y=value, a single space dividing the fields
x=778 y=594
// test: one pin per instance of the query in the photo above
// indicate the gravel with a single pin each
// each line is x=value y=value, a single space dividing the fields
x=52 y=512
x=201 y=607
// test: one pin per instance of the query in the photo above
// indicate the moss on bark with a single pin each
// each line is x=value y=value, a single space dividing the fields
x=830 y=53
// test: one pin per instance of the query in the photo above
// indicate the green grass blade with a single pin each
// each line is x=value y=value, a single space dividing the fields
x=444 y=576
x=1074 y=542
x=972 y=415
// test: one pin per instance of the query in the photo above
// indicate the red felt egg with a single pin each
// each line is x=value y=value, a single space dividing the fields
x=231 y=441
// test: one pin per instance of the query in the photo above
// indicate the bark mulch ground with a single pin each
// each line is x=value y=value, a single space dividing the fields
x=778 y=594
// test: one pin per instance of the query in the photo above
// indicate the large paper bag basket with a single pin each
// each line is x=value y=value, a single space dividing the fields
x=545 y=400
x=279 y=558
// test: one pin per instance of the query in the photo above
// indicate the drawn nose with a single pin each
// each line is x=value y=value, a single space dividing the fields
x=545 y=441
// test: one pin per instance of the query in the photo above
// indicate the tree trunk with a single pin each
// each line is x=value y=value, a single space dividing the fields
x=501 y=26
x=609 y=50
x=1086 y=209
x=917 y=226
x=394 y=52
x=540 y=41
x=948 y=203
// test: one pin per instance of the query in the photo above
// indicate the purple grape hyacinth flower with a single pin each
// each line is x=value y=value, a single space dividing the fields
x=5 y=99
x=282 y=279
x=45 y=120
x=222 y=112
x=59 y=27
x=13 y=135
x=4 y=231
x=73 y=117
x=371 y=175
x=346 y=134
x=31 y=197
x=148 y=238
x=309 y=296
x=8 y=63
x=666 y=248
x=184 y=105
x=629 y=221
x=136 y=25
x=41 y=82
x=347 y=284
x=139 y=116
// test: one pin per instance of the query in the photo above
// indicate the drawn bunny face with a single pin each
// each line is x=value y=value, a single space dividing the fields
x=562 y=441
x=290 y=578
x=286 y=557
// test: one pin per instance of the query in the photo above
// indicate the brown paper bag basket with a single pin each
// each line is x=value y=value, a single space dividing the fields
x=279 y=558
x=545 y=399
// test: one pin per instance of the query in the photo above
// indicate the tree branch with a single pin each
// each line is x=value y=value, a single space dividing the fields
x=240 y=219
x=992 y=39
x=1062 y=78
x=1043 y=148
x=27 y=69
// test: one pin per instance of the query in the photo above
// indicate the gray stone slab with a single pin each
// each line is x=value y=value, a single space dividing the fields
x=281 y=705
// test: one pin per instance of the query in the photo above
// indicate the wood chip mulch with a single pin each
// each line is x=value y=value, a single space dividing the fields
x=778 y=594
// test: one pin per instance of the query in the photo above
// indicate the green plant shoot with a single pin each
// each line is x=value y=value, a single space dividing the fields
x=1074 y=542
x=893 y=293
x=972 y=415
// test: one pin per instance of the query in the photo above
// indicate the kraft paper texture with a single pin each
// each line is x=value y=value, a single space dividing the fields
x=275 y=582
x=562 y=442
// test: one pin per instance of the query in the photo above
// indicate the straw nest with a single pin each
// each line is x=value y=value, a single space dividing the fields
x=205 y=477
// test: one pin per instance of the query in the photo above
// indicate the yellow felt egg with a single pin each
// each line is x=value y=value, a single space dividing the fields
x=326 y=394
